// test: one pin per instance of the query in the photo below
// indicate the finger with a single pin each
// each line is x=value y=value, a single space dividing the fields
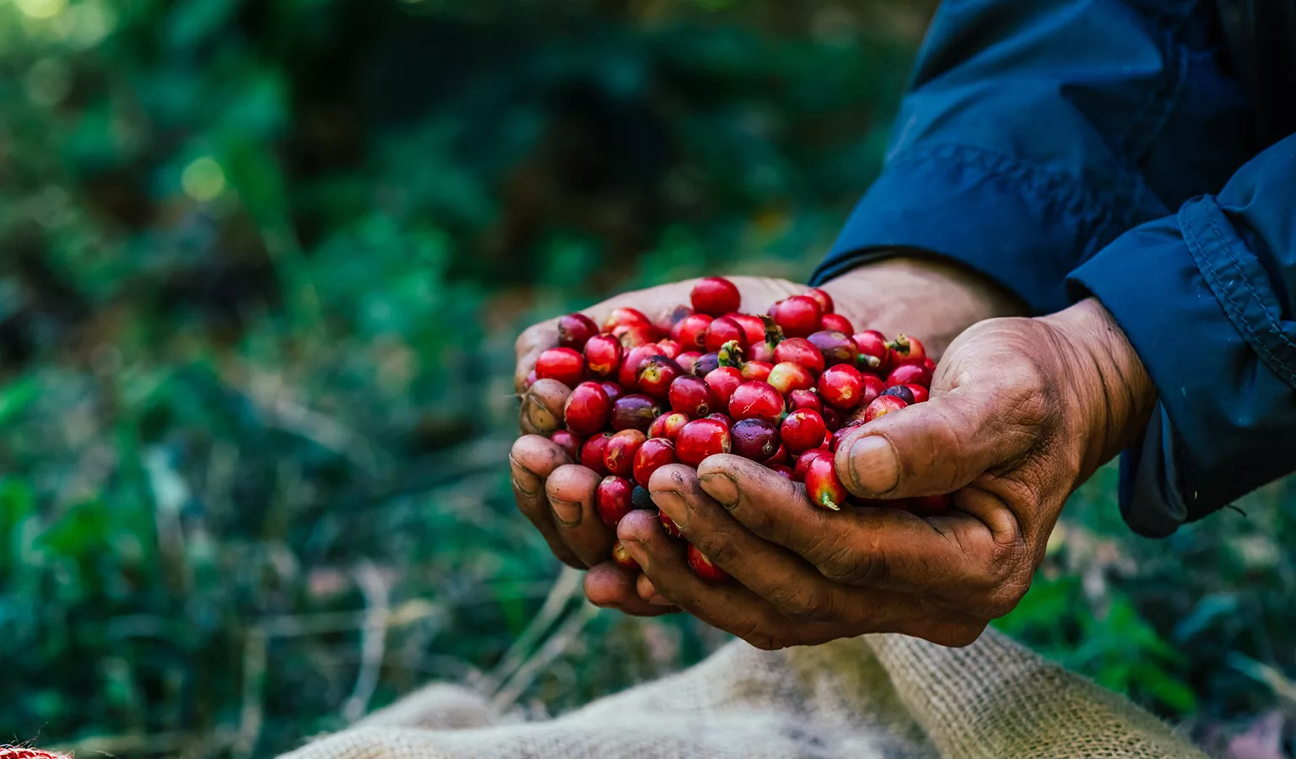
x=647 y=591
x=542 y=407
x=531 y=461
x=571 y=498
x=940 y=446
x=609 y=585
x=528 y=347
x=947 y=557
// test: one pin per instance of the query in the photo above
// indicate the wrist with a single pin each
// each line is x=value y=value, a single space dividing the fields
x=931 y=299
x=1115 y=393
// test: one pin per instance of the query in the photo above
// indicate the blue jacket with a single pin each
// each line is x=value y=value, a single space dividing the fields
x=1120 y=149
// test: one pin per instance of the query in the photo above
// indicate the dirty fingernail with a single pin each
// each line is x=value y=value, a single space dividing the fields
x=874 y=465
x=721 y=487
x=567 y=512
x=672 y=504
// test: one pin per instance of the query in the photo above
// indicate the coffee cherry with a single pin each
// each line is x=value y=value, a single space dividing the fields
x=591 y=453
x=705 y=364
x=755 y=439
x=927 y=506
x=619 y=455
x=842 y=386
x=690 y=333
x=722 y=418
x=574 y=330
x=789 y=376
x=612 y=390
x=783 y=470
x=920 y=394
x=715 y=296
x=612 y=498
x=635 y=334
x=568 y=441
x=916 y=374
x=641 y=498
x=565 y=365
x=704 y=569
x=832 y=419
x=669 y=349
x=823 y=486
x=906 y=350
x=624 y=316
x=700 y=439
x=587 y=408
x=634 y=412
x=837 y=322
x=797 y=316
x=751 y=325
x=822 y=298
x=901 y=392
x=883 y=405
x=800 y=351
x=836 y=347
x=803 y=462
x=692 y=396
x=723 y=330
x=804 y=399
x=756 y=399
x=929 y=364
x=802 y=430
x=656 y=375
x=623 y=558
x=668 y=426
x=631 y=362
x=780 y=456
x=723 y=381
x=687 y=360
x=873 y=387
x=666 y=321
x=756 y=370
x=653 y=454
x=603 y=355
x=671 y=527
x=873 y=351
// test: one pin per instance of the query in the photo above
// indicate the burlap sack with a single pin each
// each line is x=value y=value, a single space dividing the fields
x=876 y=696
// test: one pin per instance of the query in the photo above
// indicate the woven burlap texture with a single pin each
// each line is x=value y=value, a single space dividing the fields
x=874 y=696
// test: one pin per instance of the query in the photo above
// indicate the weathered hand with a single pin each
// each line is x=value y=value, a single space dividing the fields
x=1022 y=412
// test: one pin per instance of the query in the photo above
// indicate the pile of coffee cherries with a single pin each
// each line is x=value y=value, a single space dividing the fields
x=780 y=389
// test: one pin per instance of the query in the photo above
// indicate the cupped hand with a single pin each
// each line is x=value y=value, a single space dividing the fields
x=1022 y=412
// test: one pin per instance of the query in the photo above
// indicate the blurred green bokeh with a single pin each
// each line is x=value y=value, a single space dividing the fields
x=263 y=261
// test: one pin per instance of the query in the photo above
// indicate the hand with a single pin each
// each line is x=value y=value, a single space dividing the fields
x=1022 y=412
x=924 y=298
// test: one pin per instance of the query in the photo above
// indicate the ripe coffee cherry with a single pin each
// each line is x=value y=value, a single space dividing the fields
x=591 y=454
x=612 y=497
x=842 y=386
x=822 y=298
x=837 y=322
x=635 y=334
x=751 y=325
x=755 y=439
x=565 y=365
x=836 y=347
x=920 y=394
x=873 y=387
x=756 y=399
x=823 y=486
x=640 y=498
x=723 y=330
x=800 y=351
x=568 y=441
x=779 y=457
x=802 y=430
x=656 y=375
x=574 y=330
x=789 y=376
x=690 y=333
x=667 y=320
x=668 y=426
x=722 y=418
x=603 y=355
x=631 y=362
x=756 y=370
x=654 y=453
x=692 y=396
x=831 y=419
x=624 y=316
x=929 y=364
x=700 y=439
x=841 y=433
x=803 y=462
x=804 y=399
x=797 y=316
x=715 y=296
x=687 y=360
x=671 y=527
x=901 y=392
x=783 y=470
x=705 y=364
x=761 y=352
x=883 y=405
x=723 y=381
x=873 y=351
x=634 y=412
x=669 y=348
x=910 y=373
x=623 y=558
x=619 y=455
x=612 y=390
x=926 y=506
x=906 y=350
x=703 y=568
x=587 y=409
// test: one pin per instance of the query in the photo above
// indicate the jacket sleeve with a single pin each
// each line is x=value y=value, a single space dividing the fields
x=1206 y=298
x=1036 y=131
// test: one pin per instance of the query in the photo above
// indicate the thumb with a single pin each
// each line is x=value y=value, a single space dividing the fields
x=935 y=447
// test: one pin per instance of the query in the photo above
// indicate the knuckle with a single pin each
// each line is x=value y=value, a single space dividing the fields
x=854 y=567
x=801 y=602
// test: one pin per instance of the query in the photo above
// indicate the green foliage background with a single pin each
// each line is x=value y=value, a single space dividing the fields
x=262 y=265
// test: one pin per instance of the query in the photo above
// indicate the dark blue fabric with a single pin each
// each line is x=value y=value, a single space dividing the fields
x=1071 y=147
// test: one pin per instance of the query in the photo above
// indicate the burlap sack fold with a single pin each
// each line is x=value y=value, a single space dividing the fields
x=875 y=696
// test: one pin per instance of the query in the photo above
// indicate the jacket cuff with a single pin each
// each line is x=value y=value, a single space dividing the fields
x=1017 y=224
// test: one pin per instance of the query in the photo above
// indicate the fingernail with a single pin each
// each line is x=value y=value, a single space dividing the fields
x=721 y=487
x=660 y=600
x=672 y=504
x=537 y=416
x=567 y=512
x=874 y=464
x=637 y=552
x=525 y=489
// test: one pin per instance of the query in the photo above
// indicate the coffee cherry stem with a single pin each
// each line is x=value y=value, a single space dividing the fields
x=773 y=333
x=731 y=354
